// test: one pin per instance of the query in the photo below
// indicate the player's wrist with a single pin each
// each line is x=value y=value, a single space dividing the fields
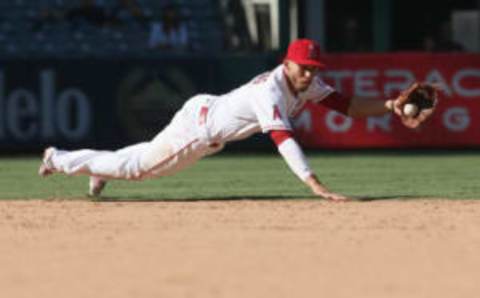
x=315 y=184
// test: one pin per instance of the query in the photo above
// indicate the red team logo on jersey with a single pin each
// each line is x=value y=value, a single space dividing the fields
x=276 y=113
x=203 y=116
x=261 y=78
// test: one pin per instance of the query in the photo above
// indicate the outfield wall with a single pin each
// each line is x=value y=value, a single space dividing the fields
x=110 y=103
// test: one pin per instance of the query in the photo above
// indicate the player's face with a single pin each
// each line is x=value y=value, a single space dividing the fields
x=300 y=76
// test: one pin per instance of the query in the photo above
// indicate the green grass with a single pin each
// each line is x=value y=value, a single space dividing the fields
x=366 y=175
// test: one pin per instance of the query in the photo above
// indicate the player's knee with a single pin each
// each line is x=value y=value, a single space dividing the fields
x=145 y=166
x=153 y=158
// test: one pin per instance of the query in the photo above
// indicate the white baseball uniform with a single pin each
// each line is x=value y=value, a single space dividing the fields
x=201 y=127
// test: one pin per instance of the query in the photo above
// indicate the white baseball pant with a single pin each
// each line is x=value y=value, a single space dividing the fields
x=179 y=145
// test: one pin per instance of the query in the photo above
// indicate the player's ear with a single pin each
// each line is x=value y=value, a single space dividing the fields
x=288 y=65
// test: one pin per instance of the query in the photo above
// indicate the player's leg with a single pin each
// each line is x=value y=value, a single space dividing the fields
x=180 y=145
x=157 y=158
x=99 y=165
x=96 y=184
x=173 y=149
x=120 y=164
x=164 y=158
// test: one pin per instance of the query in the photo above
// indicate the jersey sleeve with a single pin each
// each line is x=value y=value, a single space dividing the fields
x=294 y=157
x=270 y=110
x=317 y=91
x=291 y=153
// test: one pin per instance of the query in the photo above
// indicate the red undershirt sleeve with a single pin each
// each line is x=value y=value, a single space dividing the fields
x=279 y=136
x=337 y=102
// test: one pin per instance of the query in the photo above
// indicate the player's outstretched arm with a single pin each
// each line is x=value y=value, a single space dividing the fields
x=294 y=157
x=422 y=95
x=365 y=107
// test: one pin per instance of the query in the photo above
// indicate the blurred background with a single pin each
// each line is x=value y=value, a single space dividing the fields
x=106 y=73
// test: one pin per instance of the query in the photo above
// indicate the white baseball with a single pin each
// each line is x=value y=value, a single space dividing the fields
x=410 y=110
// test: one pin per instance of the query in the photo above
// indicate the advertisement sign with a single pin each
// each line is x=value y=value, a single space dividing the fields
x=94 y=103
x=107 y=104
x=456 y=123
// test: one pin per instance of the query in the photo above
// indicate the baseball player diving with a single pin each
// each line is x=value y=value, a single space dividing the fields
x=206 y=122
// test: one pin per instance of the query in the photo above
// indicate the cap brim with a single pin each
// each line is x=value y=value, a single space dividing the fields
x=311 y=63
x=308 y=62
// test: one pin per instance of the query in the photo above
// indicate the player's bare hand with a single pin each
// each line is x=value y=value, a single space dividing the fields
x=334 y=197
x=320 y=190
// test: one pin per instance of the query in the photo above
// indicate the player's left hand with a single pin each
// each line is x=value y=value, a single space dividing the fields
x=424 y=96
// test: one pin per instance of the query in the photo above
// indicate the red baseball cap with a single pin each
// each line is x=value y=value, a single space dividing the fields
x=305 y=52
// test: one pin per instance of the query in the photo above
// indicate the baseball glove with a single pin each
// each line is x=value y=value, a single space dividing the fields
x=424 y=96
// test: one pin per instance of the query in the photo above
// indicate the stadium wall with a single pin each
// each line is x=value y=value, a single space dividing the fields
x=111 y=103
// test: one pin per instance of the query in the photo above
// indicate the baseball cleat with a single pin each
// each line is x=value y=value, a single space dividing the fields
x=95 y=186
x=46 y=167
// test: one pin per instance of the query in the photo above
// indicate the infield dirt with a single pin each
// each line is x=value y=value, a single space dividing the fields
x=240 y=248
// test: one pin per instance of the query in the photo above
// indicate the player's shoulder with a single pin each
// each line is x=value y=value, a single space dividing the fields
x=318 y=89
x=266 y=78
x=268 y=82
x=319 y=82
x=276 y=85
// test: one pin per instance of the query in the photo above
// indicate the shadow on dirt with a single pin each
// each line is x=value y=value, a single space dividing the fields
x=246 y=198
x=395 y=197
x=202 y=199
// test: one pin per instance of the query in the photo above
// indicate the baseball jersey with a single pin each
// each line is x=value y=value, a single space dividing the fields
x=263 y=104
